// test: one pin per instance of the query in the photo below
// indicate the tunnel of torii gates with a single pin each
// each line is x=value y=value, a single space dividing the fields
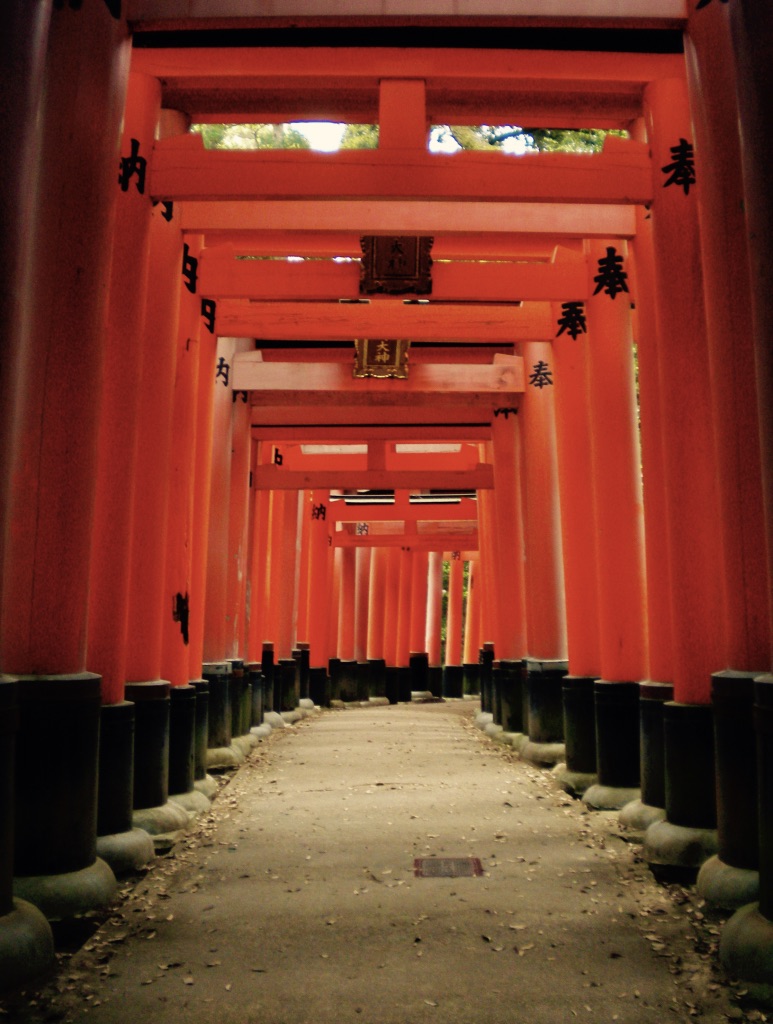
x=209 y=520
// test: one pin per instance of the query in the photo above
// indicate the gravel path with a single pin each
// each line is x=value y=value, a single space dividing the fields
x=295 y=901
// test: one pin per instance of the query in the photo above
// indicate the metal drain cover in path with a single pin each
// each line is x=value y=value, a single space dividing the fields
x=447 y=867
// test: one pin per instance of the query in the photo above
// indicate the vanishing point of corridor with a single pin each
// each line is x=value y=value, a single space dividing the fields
x=295 y=899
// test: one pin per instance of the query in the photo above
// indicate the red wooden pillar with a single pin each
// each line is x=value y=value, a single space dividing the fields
x=178 y=589
x=318 y=614
x=304 y=524
x=658 y=559
x=202 y=478
x=434 y=616
x=362 y=569
x=730 y=329
x=392 y=606
x=546 y=628
x=335 y=602
x=260 y=567
x=377 y=603
x=731 y=349
x=508 y=540
x=403 y=646
x=620 y=561
x=216 y=645
x=288 y=575
x=453 y=654
x=347 y=604
x=418 y=620
x=111 y=543
x=472 y=638
x=147 y=604
x=691 y=488
x=26 y=945
x=545 y=608
x=51 y=488
x=578 y=524
x=238 y=507
x=751 y=33
x=489 y=577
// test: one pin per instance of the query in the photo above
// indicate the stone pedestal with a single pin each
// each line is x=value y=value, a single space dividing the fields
x=471 y=679
x=678 y=845
x=453 y=681
x=56 y=772
x=651 y=806
x=731 y=878
x=545 y=745
x=418 y=662
x=579 y=771
x=121 y=845
x=617 y=746
x=486 y=663
x=218 y=676
x=377 y=677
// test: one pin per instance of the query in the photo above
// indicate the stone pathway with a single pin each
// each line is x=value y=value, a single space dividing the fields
x=295 y=901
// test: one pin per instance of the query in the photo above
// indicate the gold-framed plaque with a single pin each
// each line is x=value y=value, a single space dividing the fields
x=396 y=264
x=381 y=357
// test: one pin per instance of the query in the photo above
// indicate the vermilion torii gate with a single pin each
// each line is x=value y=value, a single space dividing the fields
x=182 y=434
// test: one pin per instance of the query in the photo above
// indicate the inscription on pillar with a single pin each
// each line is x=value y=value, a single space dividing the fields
x=572 y=319
x=318 y=511
x=681 y=170
x=208 y=310
x=222 y=371
x=132 y=166
x=611 y=277
x=190 y=270
x=542 y=375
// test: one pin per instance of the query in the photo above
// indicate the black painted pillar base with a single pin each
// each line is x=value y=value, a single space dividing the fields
x=152 y=808
x=544 y=679
x=304 y=651
x=471 y=679
x=639 y=814
x=617 y=746
x=418 y=662
x=201 y=781
x=56 y=780
x=267 y=668
x=746 y=945
x=256 y=693
x=436 y=681
x=377 y=677
x=26 y=942
x=486 y=663
x=579 y=771
x=125 y=848
x=391 y=691
x=347 y=678
x=363 y=681
x=286 y=684
x=182 y=751
x=496 y=693
x=218 y=675
x=334 y=671
x=453 y=681
x=404 y=684
x=511 y=696
x=319 y=687
x=731 y=878
x=677 y=846
x=241 y=708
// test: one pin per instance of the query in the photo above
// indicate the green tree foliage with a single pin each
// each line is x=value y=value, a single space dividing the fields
x=360 y=136
x=251 y=136
x=543 y=140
